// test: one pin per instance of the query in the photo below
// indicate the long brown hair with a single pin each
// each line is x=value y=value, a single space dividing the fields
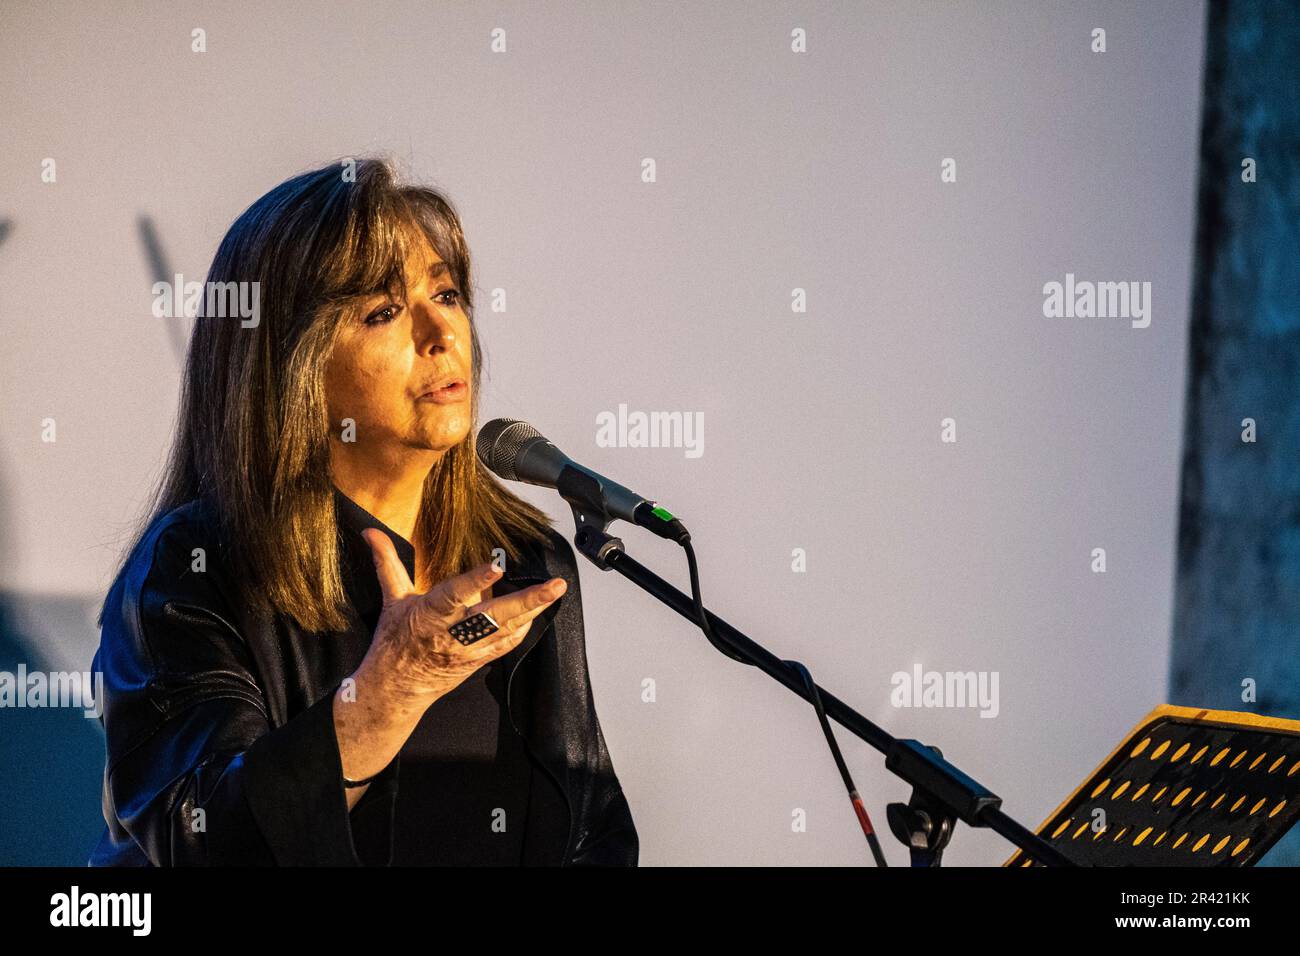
x=253 y=425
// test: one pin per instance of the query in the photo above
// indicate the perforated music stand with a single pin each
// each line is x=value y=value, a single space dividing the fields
x=1188 y=787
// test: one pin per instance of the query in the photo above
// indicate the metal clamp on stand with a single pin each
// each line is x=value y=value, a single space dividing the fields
x=923 y=824
x=585 y=497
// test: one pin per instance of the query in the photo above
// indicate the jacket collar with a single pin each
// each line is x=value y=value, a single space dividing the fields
x=355 y=519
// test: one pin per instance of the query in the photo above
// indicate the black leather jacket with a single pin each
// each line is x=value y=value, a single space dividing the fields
x=220 y=731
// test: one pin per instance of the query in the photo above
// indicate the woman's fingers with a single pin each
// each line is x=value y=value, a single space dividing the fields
x=514 y=614
x=512 y=632
x=510 y=606
x=394 y=582
x=454 y=593
x=503 y=641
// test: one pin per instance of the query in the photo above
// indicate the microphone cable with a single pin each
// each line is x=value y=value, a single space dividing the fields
x=859 y=808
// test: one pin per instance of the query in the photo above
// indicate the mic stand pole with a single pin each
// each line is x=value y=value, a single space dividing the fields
x=941 y=793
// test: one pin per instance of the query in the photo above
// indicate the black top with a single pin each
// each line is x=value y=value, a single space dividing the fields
x=465 y=777
x=465 y=781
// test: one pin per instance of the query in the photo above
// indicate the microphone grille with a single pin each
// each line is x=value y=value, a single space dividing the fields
x=499 y=442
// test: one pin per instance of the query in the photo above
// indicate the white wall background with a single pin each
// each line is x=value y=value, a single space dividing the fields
x=776 y=170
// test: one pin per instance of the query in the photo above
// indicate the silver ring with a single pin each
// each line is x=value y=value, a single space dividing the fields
x=474 y=628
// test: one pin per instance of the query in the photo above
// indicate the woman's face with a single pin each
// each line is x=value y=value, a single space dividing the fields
x=391 y=360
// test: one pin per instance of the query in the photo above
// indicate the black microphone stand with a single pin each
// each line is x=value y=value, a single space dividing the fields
x=941 y=793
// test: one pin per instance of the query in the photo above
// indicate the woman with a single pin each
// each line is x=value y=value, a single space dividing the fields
x=282 y=684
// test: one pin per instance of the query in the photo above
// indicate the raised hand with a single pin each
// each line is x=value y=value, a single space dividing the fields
x=413 y=657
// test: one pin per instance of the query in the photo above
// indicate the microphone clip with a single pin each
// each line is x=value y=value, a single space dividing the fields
x=583 y=493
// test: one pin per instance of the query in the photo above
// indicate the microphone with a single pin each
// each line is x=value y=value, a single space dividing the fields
x=516 y=451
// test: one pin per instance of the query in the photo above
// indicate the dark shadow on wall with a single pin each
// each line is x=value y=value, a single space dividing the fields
x=1237 y=595
x=51 y=758
x=178 y=329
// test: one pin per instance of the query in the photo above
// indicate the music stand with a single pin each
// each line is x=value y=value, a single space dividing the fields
x=1188 y=787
